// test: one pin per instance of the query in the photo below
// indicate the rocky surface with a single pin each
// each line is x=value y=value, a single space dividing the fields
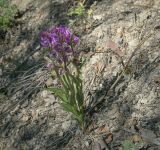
x=31 y=118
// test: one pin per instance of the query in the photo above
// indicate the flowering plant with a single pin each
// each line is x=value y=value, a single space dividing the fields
x=61 y=44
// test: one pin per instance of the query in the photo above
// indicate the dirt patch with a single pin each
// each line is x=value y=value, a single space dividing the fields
x=31 y=118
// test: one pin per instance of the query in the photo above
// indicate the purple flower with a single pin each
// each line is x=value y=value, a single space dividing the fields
x=66 y=34
x=53 y=39
x=54 y=29
x=76 y=39
x=44 y=39
x=61 y=42
x=68 y=49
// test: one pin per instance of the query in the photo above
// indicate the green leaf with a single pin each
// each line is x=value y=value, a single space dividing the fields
x=65 y=85
x=7 y=12
x=129 y=145
x=65 y=81
x=77 y=83
x=67 y=107
x=79 y=10
x=71 y=89
x=71 y=96
x=59 y=92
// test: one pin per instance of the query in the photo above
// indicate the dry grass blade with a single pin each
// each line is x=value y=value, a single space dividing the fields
x=27 y=84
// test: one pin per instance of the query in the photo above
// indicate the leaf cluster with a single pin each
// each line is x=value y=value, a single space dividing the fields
x=129 y=145
x=71 y=96
x=78 y=10
x=7 y=13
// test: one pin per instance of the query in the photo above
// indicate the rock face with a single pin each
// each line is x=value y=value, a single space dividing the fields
x=31 y=117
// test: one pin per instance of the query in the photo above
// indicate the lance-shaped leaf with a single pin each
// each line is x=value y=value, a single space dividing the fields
x=59 y=93
x=69 y=108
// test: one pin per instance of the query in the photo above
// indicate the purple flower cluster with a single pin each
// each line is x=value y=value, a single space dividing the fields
x=61 y=42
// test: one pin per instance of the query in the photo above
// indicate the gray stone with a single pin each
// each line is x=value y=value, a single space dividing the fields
x=86 y=143
x=49 y=82
x=66 y=125
x=25 y=104
x=96 y=146
x=44 y=94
